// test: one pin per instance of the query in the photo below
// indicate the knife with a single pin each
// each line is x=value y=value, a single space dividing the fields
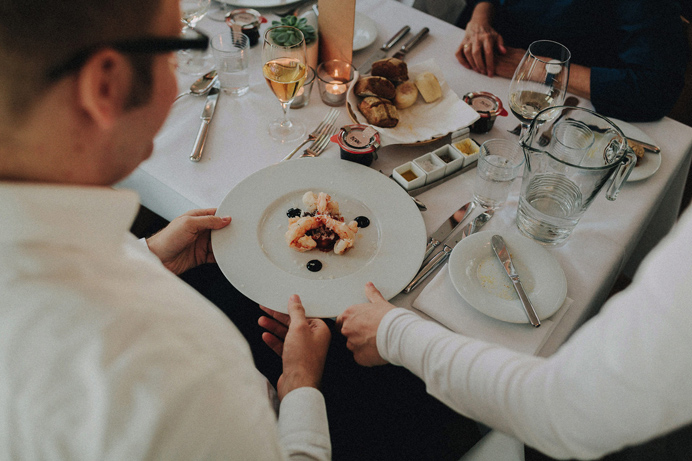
x=382 y=52
x=447 y=227
x=206 y=116
x=645 y=145
x=442 y=255
x=411 y=43
x=500 y=250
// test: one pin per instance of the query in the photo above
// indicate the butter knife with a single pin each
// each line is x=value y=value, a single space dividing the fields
x=206 y=116
x=500 y=250
x=442 y=255
x=645 y=145
x=382 y=52
x=447 y=227
x=411 y=43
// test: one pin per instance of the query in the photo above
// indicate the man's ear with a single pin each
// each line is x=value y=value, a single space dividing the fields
x=104 y=85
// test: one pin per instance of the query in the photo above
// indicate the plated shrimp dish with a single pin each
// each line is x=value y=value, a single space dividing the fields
x=320 y=226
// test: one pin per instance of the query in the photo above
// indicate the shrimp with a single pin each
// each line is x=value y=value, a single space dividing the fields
x=295 y=236
x=345 y=232
x=310 y=201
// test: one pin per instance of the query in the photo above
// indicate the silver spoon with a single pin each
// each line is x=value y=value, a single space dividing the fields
x=202 y=85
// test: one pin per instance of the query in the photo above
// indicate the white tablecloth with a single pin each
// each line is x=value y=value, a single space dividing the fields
x=610 y=234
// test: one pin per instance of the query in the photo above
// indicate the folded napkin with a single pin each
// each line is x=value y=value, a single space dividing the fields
x=442 y=302
x=422 y=121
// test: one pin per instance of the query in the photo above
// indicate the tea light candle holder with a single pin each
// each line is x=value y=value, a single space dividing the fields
x=333 y=78
x=302 y=97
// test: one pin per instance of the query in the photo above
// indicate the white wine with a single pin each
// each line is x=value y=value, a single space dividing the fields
x=526 y=104
x=285 y=76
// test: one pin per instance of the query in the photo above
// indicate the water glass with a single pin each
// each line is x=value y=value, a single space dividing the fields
x=499 y=162
x=232 y=56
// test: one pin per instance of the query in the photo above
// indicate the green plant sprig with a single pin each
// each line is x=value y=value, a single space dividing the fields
x=288 y=37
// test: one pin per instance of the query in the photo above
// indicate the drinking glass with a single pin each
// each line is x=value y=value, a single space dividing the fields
x=539 y=82
x=193 y=62
x=284 y=69
x=499 y=162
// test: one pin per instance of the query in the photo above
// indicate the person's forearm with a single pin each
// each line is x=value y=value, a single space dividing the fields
x=580 y=81
x=483 y=13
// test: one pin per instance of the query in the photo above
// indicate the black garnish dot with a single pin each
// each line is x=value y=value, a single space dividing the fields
x=314 y=265
x=362 y=221
x=294 y=212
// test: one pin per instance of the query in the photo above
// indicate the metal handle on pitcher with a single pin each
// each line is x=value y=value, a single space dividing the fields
x=621 y=174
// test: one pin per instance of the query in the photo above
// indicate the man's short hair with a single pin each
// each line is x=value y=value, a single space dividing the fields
x=36 y=35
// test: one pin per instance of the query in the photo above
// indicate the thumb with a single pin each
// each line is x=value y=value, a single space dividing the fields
x=210 y=222
x=372 y=293
x=296 y=311
x=501 y=45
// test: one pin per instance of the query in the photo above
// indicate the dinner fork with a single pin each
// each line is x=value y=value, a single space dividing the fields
x=320 y=144
x=324 y=125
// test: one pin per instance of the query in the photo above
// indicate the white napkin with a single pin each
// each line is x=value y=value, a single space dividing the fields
x=442 y=302
x=423 y=121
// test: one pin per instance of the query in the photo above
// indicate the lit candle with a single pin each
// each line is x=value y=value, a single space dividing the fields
x=335 y=93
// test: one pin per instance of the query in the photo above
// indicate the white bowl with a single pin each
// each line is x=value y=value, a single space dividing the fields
x=418 y=181
x=433 y=166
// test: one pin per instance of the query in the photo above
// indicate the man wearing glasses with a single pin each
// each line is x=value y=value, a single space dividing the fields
x=104 y=353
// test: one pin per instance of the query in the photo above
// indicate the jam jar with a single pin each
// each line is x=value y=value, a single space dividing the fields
x=488 y=107
x=248 y=20
x=358 y=143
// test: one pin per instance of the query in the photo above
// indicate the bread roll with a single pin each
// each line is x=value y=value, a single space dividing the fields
x=394 y=69
x=429 y=87
x=379 y=112
x=406 y=95
x=375 y=86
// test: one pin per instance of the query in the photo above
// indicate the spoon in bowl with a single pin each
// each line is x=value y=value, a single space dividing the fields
x=202 y=85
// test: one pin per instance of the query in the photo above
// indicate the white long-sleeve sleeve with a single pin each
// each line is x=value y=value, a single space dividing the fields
x=623 y=378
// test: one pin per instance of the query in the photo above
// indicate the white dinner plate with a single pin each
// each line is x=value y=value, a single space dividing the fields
x=481 y=280
x=253 y=254
x=650 y=163
x=364 y=32
x=260 y=3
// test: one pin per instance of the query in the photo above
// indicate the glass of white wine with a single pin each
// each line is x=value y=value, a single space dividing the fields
x=540 y=81
x=284 y=69
x=193 y=62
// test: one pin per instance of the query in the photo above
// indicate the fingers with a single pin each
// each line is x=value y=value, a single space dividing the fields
x=461 y=55
x=279 y=316
x=200 y=223
x=274 y=343
x=372 y=293
x=276 y=328
x=488 y=53
x=200 y=212
x=296 y=311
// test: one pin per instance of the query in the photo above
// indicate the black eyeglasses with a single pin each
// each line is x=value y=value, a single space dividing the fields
x=137 y=45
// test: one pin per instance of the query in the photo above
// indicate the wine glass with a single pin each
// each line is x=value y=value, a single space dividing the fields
x=539 y=82
x=193 y=62
x=284 y=69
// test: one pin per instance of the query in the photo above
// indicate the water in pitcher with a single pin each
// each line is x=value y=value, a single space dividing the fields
x=550 y=208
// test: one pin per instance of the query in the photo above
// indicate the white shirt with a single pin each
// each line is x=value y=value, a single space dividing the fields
x=105 y=354
x=623 y=378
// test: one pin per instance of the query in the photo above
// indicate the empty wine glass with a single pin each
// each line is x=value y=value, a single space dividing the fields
x=539 y=82
x=193 y=62
x=284 y=69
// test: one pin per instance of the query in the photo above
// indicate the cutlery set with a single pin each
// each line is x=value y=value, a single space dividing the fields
x=450 y=241
x=382 y=52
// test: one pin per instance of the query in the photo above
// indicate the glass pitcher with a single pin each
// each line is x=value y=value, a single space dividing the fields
x=570 y=153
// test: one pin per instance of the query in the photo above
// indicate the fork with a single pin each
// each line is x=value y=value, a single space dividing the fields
x=322 y=128
x=320 y=144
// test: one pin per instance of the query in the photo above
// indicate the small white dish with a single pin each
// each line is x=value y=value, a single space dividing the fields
x=480 y=279
x=468 y=148
x=433 y=166
x=456 y=158
x=364 y=32
x=401 y=175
